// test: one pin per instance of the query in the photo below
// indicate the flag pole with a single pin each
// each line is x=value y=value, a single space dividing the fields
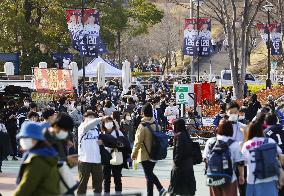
x=82 y=55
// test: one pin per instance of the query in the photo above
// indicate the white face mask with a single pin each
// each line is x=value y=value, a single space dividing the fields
x=26 y=143
x=233 y=117
x=222 y=115
x=128 y=118
x=241 y=117
x=26 y=104
x=62 y=135
x=109 y=125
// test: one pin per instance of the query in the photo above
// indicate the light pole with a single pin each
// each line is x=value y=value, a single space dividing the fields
x=268 y=7
x=198 y=3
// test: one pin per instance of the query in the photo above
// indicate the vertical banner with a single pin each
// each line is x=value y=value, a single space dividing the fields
x=85 y=36
x=197 y=37
x=275 y=36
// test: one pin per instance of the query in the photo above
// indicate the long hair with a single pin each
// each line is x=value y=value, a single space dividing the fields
x=108 y=118
x=255 y=130
x=179 y=125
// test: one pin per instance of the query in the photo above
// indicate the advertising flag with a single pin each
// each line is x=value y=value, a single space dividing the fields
x=85 y=32
x=275 y=36
x=197 y=37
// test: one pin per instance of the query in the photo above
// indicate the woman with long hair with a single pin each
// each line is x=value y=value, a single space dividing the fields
x=182 y=175
x=255 y=186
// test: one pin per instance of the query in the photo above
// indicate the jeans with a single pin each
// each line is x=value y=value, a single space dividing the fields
x=115 y=170
x=148 y=167
x=85 y=169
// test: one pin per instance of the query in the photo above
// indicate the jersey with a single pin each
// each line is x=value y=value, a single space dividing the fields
x=276 y=132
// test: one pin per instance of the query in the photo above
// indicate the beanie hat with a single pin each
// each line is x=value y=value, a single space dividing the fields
x=31 y=130
x=147 y=110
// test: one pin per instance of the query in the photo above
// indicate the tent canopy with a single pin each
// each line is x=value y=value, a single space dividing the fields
x=92 y=67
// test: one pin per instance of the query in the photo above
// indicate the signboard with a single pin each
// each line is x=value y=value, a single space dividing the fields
x=207 y=121
x=53 y=80
x=182 y=94
x=42 y=97
x=275 y=36
x=197 y=37
x=85 y=33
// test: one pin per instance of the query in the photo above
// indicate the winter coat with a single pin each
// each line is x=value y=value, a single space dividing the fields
x=5 y=145
x=127 y=128
x=77 y=117
x=182 y=175
x=38 y=174
x=143 y=137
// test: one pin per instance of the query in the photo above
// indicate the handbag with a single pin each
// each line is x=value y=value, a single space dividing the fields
x=68 y=183
x=117 y=157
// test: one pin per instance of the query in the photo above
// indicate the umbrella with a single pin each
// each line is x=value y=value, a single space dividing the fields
x=126 y=76
x=101 y=75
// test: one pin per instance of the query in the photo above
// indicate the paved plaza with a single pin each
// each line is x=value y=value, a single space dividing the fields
x=133 y=181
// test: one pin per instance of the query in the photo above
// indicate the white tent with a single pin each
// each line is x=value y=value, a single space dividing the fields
x=92 y=67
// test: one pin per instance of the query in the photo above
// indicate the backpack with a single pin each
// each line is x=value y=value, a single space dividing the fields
x=196 y=152
x=220 y=166
x=266 y=164
x=159 y=143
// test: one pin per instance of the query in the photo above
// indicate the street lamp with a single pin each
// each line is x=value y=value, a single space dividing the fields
x=268 y=8
x=198 y=3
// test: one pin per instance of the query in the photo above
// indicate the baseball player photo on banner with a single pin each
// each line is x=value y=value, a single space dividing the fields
x=85 y=32
x=275 y=36
x=197 y=37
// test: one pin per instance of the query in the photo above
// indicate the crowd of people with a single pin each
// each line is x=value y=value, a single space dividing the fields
x=106 y=131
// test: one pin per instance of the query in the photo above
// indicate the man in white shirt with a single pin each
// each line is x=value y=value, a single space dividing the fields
x=240 y=129
x=89 y=154
x=172 y=111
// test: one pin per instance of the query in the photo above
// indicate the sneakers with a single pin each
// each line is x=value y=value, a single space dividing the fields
x=163 y=192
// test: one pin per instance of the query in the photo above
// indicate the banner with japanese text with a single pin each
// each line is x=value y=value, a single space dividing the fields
x=275 y=36
x=53 y=80
x=85 y=32
x=197 y=37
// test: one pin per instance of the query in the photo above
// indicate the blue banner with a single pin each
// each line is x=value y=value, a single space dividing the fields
x=197 y=37
x=85 y=37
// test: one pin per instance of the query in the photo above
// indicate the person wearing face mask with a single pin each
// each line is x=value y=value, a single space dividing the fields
x=10 y=122
x=242 y=116
x=23 y=112
x=63 y=106
x=127 y=127
x=90 y=159
x=172 y=111
x=233 y=116
x=239 y=134
x=77 y=117
x=109 y=127
x=38 y=173
x=57 y=135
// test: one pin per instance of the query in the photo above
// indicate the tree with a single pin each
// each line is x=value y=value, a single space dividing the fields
x=236 y=18
x=36 y=27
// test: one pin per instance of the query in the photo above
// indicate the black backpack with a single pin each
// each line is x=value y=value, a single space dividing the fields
x=159 y=148
x=220 y=166
x=196 y=152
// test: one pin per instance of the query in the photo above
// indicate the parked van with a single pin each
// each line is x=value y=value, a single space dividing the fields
x=226 y=78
